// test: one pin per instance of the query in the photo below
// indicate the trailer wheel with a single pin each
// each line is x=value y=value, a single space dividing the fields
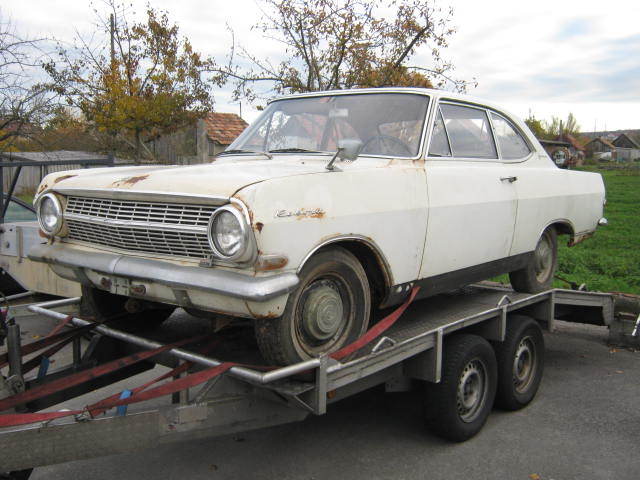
x=537 y=276
x=103 y=305
x=520 y=363
x=458 y=407
x=329 y=309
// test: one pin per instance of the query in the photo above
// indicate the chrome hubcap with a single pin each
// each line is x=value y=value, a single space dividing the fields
x=471 y=391
x=323 y=312
x=543 y=259
x=524 y=364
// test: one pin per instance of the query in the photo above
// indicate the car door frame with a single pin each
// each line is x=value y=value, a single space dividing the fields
x=433 y=284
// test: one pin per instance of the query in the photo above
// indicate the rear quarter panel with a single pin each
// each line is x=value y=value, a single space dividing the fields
x=547 y=194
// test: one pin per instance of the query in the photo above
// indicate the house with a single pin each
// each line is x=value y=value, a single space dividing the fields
x=601 y=149
x=200 y=142
x=628 y=149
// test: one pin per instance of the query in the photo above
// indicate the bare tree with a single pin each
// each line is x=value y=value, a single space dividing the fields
x=24 y=103
x=336 y=44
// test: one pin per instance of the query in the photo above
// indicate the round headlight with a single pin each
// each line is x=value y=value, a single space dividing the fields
x=49 y=214
x=227 y=233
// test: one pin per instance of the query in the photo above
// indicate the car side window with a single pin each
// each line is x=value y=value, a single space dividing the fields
x=469 y=131
x=439 y=146
x=512 y=145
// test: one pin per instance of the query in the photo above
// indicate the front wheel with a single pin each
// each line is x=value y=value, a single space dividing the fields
x=537 y=276
x=458 y=407
x=329 y=309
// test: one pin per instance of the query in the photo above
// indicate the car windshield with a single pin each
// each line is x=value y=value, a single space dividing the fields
x=388 y=124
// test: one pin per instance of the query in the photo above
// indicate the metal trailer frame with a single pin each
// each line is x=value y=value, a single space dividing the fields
x=20 y=162
x=246 y=399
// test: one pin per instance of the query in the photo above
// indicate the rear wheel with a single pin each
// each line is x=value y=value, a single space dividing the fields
x=103 y=305
x=537 y=276
x=329 y=309
x=457 y=407
x=520 y=363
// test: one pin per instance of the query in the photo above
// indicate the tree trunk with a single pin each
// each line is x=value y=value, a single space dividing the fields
x=138 y=145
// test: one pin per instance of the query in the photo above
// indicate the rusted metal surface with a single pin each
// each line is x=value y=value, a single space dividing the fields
x=129 y=181
x=259 y=226
x=63 y=177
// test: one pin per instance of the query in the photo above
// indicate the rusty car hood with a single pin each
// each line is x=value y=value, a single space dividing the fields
x=221 y=178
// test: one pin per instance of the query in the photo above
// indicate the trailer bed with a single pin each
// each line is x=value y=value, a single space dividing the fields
x=246 y=398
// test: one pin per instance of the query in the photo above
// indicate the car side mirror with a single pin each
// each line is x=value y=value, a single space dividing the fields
x=348 y=149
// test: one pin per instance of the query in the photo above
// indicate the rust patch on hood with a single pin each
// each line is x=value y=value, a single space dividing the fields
x=129 y=180
x=63 y=177
x=259 y=226
x=42 y=188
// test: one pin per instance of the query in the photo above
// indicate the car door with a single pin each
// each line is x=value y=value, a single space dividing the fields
x=472 y=199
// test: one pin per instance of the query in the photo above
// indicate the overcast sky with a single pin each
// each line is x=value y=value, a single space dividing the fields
x=548 y=56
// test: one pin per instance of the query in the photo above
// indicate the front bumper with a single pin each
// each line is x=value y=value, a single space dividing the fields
x=174 y=277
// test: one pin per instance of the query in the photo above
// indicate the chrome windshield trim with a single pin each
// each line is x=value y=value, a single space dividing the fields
x=136 y=224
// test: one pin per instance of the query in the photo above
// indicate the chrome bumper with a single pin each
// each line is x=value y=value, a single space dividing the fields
x=222 y=282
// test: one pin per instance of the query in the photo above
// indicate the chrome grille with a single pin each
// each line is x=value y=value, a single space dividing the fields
x=149 y=212
x=149 y=227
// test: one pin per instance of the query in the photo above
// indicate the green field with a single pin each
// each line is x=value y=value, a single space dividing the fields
x=610 y=261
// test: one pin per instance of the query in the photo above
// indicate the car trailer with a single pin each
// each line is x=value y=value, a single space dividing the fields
x=434 y=340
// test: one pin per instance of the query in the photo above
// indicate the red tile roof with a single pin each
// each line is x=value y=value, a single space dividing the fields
x=223 y=128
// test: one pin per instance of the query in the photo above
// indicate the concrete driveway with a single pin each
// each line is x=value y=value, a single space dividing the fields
x=584 y=424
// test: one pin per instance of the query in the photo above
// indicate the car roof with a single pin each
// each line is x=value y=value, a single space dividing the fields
x=440 y=94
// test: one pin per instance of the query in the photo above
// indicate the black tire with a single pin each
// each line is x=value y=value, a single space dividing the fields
x=102 y=305
x=329 y=309
x=17 y=475
x=469 y=375
x=520 y=363
x=537 y=276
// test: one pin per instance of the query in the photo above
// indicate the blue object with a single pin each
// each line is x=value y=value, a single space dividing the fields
x=121 y=411
x=44 y=367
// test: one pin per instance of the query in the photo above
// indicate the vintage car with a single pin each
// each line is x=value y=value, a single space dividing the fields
x=329 y=206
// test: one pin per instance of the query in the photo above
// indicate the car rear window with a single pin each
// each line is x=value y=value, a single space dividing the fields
x=469 y=132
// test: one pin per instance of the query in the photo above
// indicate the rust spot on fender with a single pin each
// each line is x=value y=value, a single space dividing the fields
x=261 y=317
x=42 y=188
x=259 y=226
x=129 y=181
x=63 y=177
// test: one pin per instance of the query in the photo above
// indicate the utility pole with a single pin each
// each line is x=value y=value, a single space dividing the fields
x=112 y=29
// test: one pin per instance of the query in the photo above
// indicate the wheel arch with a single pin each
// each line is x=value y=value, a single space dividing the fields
x=562 y=226
x=369 y=255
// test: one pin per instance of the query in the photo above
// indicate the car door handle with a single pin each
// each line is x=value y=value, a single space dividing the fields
x=508 y=179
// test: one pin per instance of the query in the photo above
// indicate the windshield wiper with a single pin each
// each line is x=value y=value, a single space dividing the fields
x=256 y=152
x=292 y=150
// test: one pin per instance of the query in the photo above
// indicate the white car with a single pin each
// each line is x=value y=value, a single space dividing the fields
x=328 y=206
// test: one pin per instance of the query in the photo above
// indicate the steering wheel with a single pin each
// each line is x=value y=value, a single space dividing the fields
x=385 y=138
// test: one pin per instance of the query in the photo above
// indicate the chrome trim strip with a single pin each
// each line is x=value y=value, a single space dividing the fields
x=388 y=274
x=222 y=282
x=135 y=224
x=144 y=195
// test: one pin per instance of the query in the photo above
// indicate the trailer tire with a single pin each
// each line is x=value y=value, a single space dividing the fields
x=329 y=309
x=457 y=408
x=103 y=305
x=520 y=363
x=537 y=275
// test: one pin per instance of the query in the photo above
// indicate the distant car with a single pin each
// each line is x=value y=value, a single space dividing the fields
x=329 y=205
x=17 y=211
